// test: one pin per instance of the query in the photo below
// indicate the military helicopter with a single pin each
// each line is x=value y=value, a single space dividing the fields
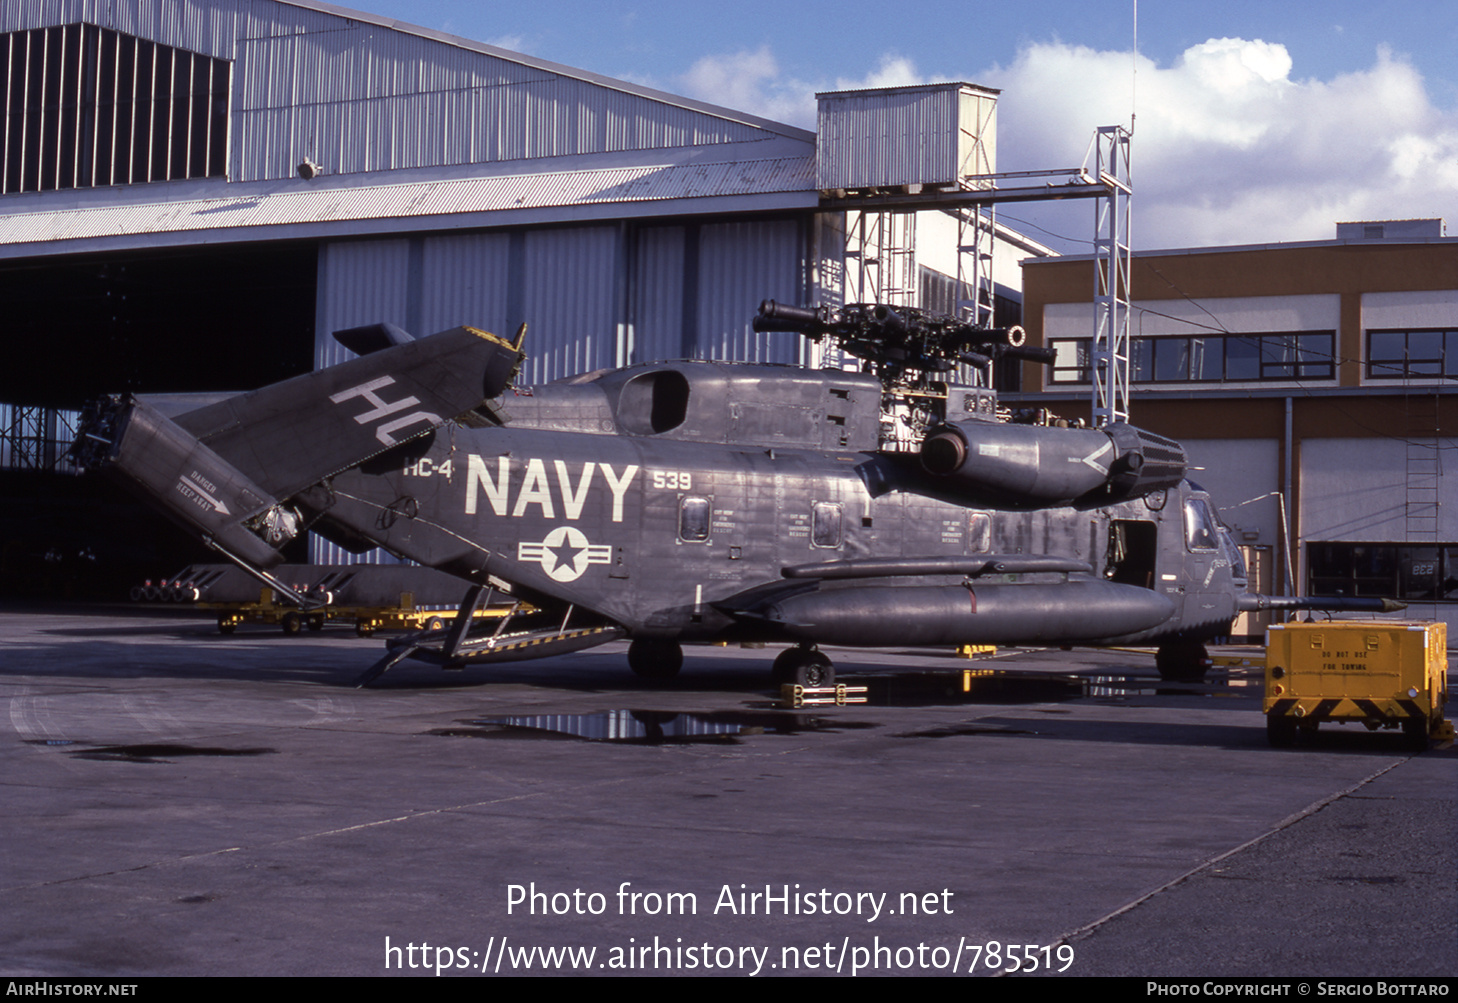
x=691 y=501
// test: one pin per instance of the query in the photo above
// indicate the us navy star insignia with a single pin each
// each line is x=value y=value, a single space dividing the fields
x=565 y=553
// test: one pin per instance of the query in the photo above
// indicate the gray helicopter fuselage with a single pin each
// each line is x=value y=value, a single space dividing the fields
x=661 y=496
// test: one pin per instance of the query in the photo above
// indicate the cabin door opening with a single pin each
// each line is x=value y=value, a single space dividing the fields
x=1133 y=546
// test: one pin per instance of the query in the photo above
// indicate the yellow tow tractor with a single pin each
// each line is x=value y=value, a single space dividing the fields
x=1383 y=673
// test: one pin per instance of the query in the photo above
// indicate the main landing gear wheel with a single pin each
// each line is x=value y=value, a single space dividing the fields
x=805 y=666
x=1182 y=661
x=653 y=659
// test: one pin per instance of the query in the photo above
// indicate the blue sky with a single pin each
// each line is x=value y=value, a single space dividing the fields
x=1257 y=121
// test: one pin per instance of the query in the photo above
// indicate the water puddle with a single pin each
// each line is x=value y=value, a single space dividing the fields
x=930 y=689
x=1119 y=686
x=1003 y=686
x=160 y=752
x=1217 y=682
x=647 y=727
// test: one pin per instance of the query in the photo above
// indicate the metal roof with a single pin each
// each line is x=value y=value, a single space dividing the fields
x=303 y=208
x=413 y=130
x=1243 y=248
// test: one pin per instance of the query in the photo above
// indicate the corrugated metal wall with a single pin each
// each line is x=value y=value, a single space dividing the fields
x=369 y=99
x=905 y=135
x=593 y=297
x=657 y=322
x=356 y=97
x=570 y=301
x=206 y=26
x=360 y=282
x=464 y=281
x=741 y=264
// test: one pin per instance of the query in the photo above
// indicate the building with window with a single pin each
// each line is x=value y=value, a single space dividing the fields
x=1315 y=387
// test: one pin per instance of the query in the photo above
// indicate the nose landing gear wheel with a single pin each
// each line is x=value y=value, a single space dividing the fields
x=1182 y=661
x=804 y=666
x=650 y=659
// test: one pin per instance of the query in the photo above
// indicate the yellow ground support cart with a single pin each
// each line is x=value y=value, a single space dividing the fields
x=1383 y=673
x=370 y=597
x=366 y=619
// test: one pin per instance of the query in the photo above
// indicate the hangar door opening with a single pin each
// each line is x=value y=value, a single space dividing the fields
x=176 y=321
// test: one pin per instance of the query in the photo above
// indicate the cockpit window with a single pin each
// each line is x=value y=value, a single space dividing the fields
x=1233 y=555
x=1200 y=526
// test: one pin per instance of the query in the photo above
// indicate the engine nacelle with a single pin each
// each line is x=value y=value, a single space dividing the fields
x=1038 y=465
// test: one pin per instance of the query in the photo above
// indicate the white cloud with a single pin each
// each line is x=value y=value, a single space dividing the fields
x=892 y=71
x=512 y=43
x=1229 y=64
x=1228 y=148
x=751 y=82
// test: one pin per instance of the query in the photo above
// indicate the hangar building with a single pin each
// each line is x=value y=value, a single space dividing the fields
x=195 y=193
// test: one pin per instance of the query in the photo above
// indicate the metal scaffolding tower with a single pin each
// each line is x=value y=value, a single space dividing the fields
x=880 y=255
x=36 y=438
x=1109 y=353
x=976 y=235
x=881 y=262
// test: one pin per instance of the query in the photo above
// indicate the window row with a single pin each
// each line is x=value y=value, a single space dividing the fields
x=1415 y=572
x=1293 y=355
x=1300 y=355
x=86 y=107
x=1397 y=355
x=696 y=514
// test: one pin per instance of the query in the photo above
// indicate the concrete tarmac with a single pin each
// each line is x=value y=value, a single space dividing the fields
x=181 y=803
